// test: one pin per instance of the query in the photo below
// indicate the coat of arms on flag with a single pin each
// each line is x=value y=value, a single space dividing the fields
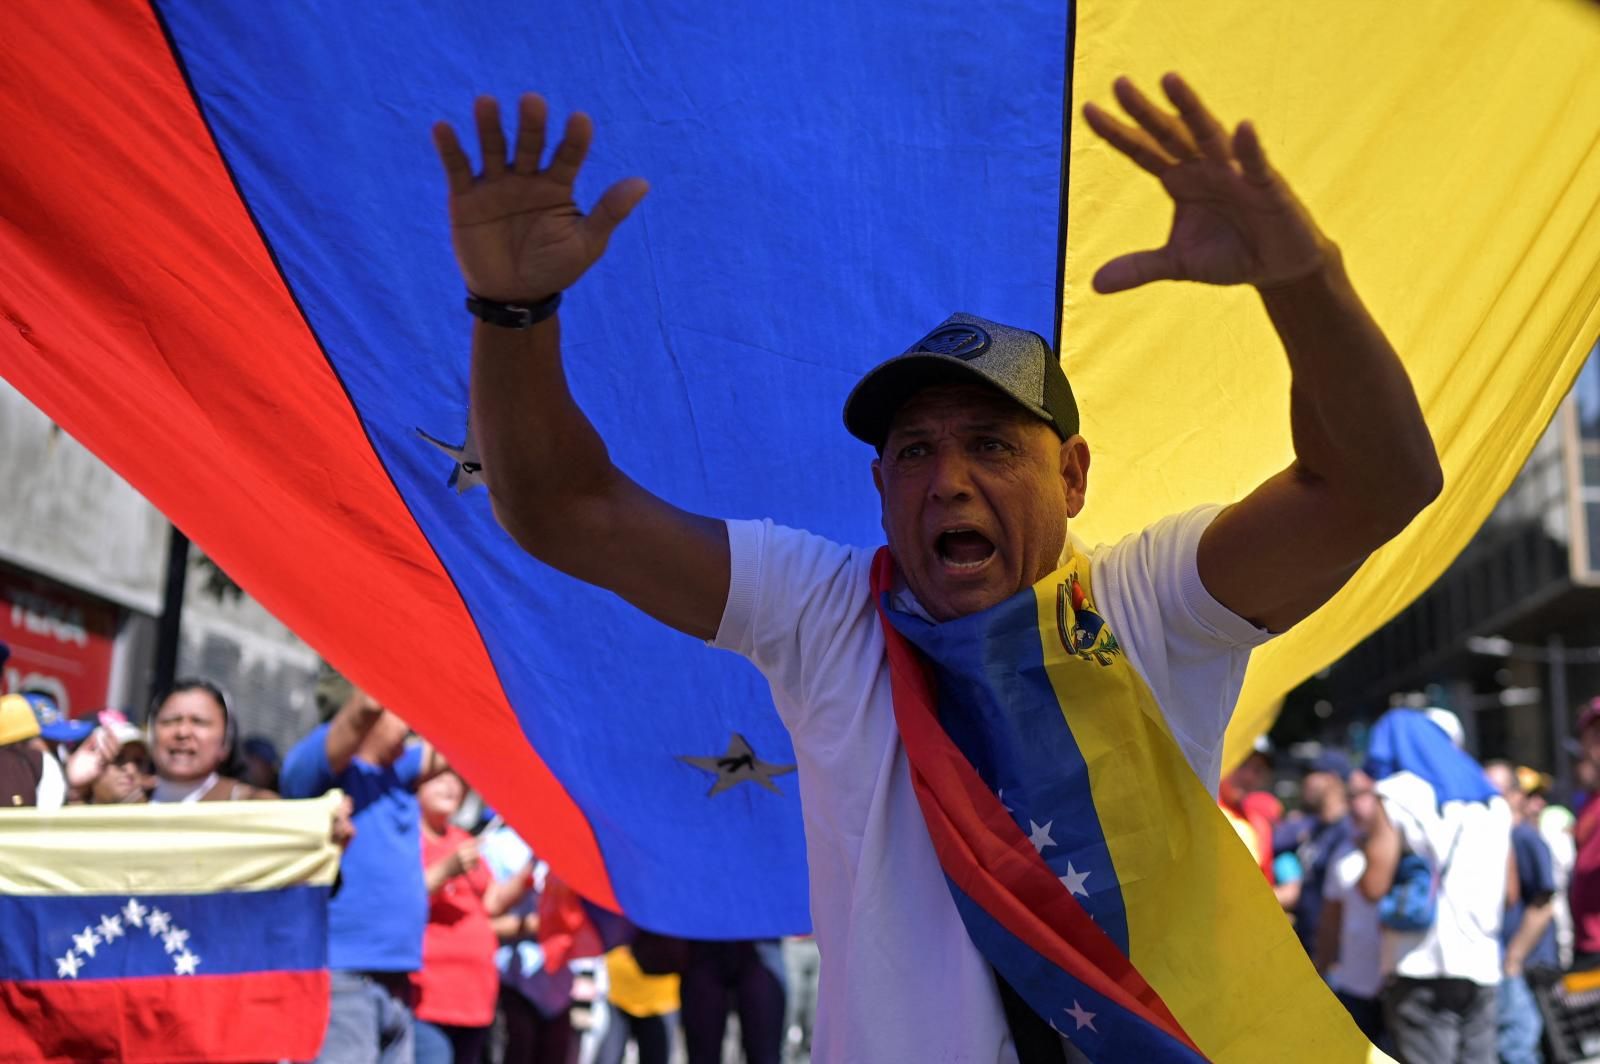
x=194 y=932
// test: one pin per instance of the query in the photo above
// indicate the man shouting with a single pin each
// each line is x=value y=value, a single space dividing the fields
x=980 y=468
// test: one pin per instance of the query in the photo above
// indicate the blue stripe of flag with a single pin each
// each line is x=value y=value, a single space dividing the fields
x=120 y=936
x=1102 y=1030
x=997 y=705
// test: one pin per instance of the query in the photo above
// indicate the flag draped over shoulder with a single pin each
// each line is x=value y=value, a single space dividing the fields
x=1449 y=148
x=1087 y=860
x=175 y=932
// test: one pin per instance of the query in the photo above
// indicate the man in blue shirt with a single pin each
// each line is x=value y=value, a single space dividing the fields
x=1528 y=934
x=1316 y=838
x=377 y=916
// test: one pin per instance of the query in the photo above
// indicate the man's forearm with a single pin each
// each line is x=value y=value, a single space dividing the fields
x=541 y=455
x=1535 y=920
x=1382 y=850
x=1358 y=428
x=350 y=725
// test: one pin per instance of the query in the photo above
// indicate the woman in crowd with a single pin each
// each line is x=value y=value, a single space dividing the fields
x=127 y=773
x=458 y=984
x=191 y=738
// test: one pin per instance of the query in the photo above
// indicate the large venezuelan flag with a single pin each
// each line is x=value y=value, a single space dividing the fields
x=224 y=267
x=172 y=933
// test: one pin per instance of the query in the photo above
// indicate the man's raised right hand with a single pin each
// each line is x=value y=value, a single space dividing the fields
x=518 y=233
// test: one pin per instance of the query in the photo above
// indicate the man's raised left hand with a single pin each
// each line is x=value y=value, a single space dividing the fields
x=1235 y=220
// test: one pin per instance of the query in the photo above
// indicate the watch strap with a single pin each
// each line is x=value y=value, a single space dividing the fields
x=512 y=315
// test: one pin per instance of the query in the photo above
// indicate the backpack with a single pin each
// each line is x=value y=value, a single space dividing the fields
x=1412 y=901
x=21 y=769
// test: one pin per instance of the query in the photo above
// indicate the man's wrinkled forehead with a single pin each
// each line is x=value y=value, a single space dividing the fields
x=974 y=404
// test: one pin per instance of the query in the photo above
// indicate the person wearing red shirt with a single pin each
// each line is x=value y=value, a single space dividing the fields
x=458 y=984
x=1583 y=889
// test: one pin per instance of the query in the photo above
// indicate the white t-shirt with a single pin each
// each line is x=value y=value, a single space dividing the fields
x=1359 y=971
x=1464 y=941
x=901 y=980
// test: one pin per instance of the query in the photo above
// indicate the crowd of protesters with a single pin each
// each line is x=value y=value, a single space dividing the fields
x=1434 y=894
x=1437 y=895
x=434 y=944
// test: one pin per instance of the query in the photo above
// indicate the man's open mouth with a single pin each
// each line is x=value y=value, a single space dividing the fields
x=963 y=549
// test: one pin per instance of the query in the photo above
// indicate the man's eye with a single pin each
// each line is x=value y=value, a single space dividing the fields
x=913 y=450
x=992 y=445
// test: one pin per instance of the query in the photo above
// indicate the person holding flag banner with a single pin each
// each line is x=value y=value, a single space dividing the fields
x=1009 y=745
x=180 y=932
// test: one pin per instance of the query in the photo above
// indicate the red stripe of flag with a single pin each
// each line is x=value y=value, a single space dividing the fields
x=139 y=310
x=171 y=1019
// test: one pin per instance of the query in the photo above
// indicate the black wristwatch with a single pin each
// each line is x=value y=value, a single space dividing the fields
x=512 y=315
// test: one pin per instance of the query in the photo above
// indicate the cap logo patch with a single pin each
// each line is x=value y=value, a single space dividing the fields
x=965 y=342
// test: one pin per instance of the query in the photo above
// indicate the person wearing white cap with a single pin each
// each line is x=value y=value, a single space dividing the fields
x=128 y=771
x=979 y=467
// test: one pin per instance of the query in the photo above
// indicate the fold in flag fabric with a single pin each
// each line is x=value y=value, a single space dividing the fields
x=225 y=268
x=174 y=933
x=1449 y=148
x=1088 y=861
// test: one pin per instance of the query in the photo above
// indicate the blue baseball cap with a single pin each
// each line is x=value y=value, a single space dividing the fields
x=54 y=725
x=1332 y=761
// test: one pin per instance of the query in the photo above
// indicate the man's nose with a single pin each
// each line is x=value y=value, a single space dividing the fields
x=951 y=478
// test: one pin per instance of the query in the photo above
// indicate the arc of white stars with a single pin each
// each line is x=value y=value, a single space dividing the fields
x=1073 y=881
x=110 y=927
x=1040 y=836
x=133 y=912
x=1082 y=1017
x=67 y=967
x=158 y=923
x=85 y=941
x=185 y=963
x=174 y=940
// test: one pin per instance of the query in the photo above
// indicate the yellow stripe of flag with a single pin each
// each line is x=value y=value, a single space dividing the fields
x=195 y=848
x=1452 y=149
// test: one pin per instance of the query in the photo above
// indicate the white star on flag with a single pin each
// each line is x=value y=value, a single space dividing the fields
x=184 y=963
x=159 y=923
x=174 y=940
x=110 y=927
x=1040 y=836
x=85 y=941
x=1073 y=881
x=1082 y=1017
x=134 y=912
x=67 y=967
x=1001 y=795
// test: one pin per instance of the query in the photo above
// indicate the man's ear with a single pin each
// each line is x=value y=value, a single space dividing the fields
x=1075 y=473
x=877 y=482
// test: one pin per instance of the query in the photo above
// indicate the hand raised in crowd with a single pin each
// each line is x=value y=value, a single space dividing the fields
x=90 y=760
x=517 y=230
x=464 y=859
x=1235 y=220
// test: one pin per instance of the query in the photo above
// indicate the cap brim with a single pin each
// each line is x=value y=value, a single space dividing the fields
x=870 y=408
x=67 y=731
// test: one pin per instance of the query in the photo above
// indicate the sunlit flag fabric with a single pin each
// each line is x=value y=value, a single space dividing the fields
x=179 y=932
x=225 y=268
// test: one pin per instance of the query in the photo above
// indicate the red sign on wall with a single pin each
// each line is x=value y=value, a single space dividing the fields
x=60 y=639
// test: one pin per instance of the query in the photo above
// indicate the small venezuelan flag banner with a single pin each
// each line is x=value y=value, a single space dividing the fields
x=1090 y=865
x=183 y=932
